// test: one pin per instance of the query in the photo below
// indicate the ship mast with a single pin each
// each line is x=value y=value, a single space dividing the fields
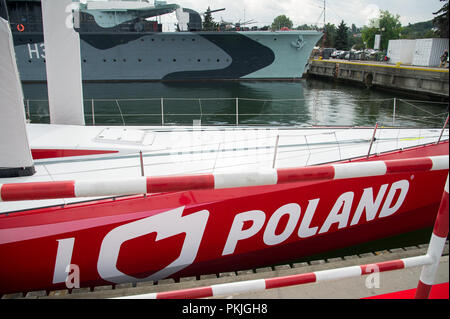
x=324 y=24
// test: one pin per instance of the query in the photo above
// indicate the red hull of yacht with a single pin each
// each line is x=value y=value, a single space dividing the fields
x=210 y=231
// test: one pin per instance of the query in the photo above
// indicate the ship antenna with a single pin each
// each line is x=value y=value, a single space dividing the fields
x=324 y=25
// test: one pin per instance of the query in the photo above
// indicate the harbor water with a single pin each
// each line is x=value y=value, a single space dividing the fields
x=300 y=103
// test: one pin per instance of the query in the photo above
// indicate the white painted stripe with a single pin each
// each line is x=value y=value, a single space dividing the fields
x=439 y=162
x=351 y=170
x=241 y=179
x=417 y=261
x=435 y=249
x=331 y=274
x=237 y=287
x=111 y=187
x=143 y=296
x=428 y=274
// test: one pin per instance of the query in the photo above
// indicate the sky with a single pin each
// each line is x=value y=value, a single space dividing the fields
x=300 y=12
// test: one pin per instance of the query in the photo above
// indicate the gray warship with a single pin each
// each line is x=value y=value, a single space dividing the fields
x=123 y=41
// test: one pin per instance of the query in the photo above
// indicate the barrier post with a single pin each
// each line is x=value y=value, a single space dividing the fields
x=435 y=248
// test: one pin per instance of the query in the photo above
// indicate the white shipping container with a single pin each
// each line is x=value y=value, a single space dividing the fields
x=401 y=51
x=428 y=52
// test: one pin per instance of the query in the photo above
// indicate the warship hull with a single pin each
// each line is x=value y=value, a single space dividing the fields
x=177 y=56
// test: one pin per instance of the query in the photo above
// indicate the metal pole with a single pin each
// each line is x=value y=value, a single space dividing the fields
x=435 y=248
x=324 y=25
x=442 y=131
x=93 y=112
x=162 y=111
x=393 y=116
x=142 y=163
x=237 y=111
x=373 y=138
x=309 y=151
x=217 y=155
x=339 y=145
x=314 y=112
x=276 y=151
x=28 y=110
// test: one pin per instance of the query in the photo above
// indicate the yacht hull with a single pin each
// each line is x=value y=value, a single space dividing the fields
x=190 y=233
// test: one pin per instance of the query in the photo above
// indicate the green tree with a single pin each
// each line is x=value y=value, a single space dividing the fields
x=341 y=42
x=208 y=23
x=418 y=30
x=358 y=43
x=441 y=21
x=281 y=22
x=388 y=26
x=329 y=37
x=368 y=36
x=306 y=27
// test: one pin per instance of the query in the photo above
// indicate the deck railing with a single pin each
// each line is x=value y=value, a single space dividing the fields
x=249 y=111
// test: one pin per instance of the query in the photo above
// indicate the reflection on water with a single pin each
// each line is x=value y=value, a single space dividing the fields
x=306 y=102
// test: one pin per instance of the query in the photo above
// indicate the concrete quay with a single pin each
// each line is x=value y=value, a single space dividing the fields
x=420 y=81
x=348 y=288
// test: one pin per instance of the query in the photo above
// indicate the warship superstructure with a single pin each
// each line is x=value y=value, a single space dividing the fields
x=123 y=41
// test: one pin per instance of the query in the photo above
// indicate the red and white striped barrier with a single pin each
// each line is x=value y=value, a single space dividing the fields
x=285 y=281
x=435 y=248
x=145 y=185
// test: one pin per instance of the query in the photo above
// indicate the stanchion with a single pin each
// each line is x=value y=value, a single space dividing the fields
x=373 y=138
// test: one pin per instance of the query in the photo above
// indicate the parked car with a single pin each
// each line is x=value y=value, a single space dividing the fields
x=343 y=54
x=335 y=54
x=373 y=55
x=357 y=55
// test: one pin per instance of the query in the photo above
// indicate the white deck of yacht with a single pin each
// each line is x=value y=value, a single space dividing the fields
x=192 y=150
